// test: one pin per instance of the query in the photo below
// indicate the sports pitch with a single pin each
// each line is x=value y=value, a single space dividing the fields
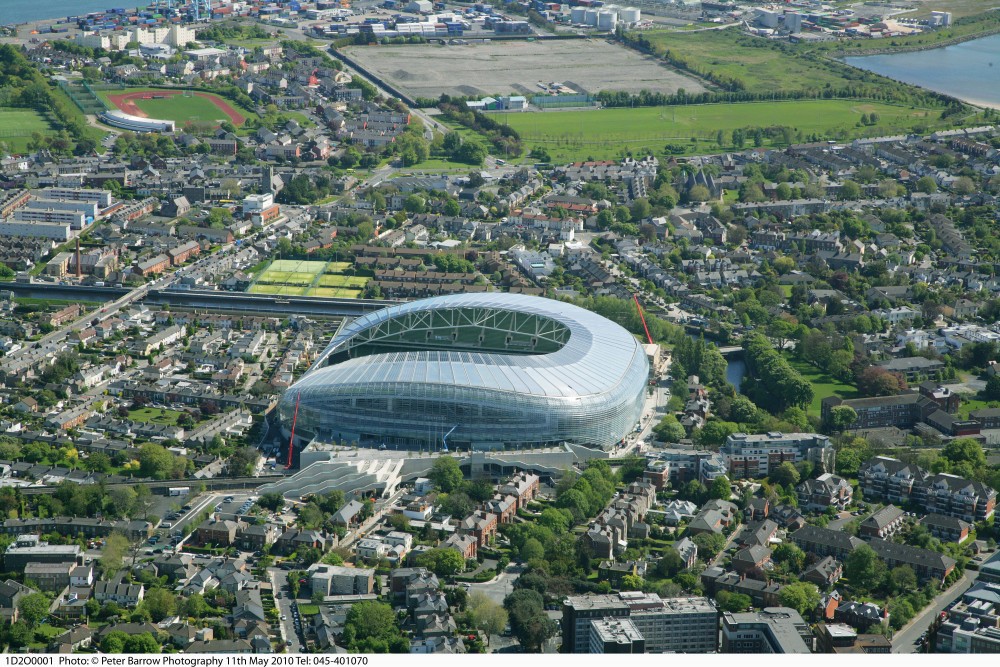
x=16 y=126
x=292 y=277
x=607 y=133
x=179 y=106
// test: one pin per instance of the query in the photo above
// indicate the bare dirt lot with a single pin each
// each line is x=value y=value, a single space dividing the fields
x=517 y=67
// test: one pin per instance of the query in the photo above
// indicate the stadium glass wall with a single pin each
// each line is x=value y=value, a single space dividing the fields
x=479 y=371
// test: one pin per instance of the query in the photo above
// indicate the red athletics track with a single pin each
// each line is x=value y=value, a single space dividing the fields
x=125 y=103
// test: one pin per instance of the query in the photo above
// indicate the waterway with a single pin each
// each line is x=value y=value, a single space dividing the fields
x=21 y=11
x=969 y=71
x=735 y=370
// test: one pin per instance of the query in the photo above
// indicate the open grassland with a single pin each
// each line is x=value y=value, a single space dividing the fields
x=823 y=385
x=762 y=65
x=16 y=126
x=571 y=136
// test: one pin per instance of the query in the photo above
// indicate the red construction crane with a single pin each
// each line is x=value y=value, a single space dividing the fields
x=641 y=316
x=291 y=438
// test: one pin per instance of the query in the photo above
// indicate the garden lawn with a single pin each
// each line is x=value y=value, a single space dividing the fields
x=823 y=385
x=154 y=416
x=572 y=136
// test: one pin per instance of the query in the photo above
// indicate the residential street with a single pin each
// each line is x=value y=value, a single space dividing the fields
x=904 y=640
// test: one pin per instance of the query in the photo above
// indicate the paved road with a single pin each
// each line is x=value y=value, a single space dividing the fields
x=845 y=518
x=903 y=641
x=279 y=584
x=501 y=586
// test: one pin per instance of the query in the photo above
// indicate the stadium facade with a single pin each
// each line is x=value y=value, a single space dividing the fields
x=126 y=121
x=473 y=372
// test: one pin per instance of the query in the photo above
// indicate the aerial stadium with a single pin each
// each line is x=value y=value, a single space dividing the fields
x=472 y=372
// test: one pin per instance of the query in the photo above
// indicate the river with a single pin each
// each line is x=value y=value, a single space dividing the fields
x=969 y=71
x=735 y=370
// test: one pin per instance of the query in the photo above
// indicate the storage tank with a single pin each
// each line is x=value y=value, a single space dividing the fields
x=630 y=15
x=578 y=15
x=590 y=17
x=606 y=20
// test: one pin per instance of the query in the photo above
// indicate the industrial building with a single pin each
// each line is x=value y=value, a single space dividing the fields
x=117 y=118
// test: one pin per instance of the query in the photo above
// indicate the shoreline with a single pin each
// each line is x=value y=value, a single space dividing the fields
x=841 y=55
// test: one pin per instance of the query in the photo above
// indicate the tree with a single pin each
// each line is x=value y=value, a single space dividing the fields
x=532 y=549
x=963 y=185
x=528 y=620
x=371 y=627
x=669 y=564
x=927 y=185
x=841 y=416
x=243 y=462
x=141 y=643
x=714 y=433
x=801 y=596
x=114 y=642
x=864 y=568
x=733 y=602
x=443 y=562
x=785 y=474
x=155 y=461
x=903 y=578
x=115 y=547
x=720 y=488
x=965 y=450
x=709 y=544
x=160 y=603
x=271 y=501
x=458 y=504
x=790 y=556
x=33 y=608
x=446 y=474
x=487 y=615
x=877 y=381
x=850 y=190
x=669 y=429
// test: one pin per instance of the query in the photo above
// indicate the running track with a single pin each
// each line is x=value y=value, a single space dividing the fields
x=125 y=103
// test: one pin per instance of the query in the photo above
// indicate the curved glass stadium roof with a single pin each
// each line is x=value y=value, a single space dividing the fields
x=498 y=370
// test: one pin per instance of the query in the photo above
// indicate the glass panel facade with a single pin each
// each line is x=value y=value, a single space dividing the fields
x=588 y=388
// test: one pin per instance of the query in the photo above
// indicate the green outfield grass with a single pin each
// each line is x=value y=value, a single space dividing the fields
x=16 y=126
x=571 y=136
x=177 y=108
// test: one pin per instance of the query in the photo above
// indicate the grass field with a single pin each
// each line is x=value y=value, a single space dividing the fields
x=16 y=126
x=154 y=416
x=293 y=277
x=608 y=133
x=182 y=109
x=823 y=385
x=759 y=63
x=342 y=281
x=291 y=272
x=175 y=107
